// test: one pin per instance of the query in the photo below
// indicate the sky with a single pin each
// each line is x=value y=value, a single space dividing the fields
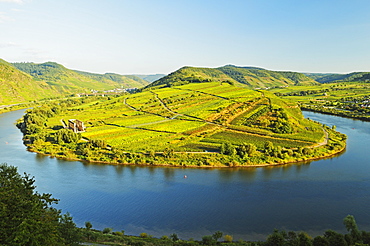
x=161 y=36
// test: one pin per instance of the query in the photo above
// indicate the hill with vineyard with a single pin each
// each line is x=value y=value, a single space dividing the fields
x=17 y=86
x=24 y=82
x=251 y=77
x=197 y=124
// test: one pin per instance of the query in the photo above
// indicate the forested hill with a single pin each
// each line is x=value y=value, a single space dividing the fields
x=27 y=81
x=127 y=81
x=331 y=78
x=17 y=86
x=57 y=75
x=252 y=77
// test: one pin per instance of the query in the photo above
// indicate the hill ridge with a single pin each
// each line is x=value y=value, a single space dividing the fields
x=251 y=77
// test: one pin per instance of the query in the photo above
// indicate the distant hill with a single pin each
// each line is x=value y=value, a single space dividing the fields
x=151 y=78
x=127 y=81
x=331 y=77
x=252 y=77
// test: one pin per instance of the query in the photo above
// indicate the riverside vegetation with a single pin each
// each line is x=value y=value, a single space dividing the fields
x=346 y=99
x=28 y=218
x=210 y=124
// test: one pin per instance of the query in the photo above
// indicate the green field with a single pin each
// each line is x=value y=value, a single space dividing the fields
x=161 y=125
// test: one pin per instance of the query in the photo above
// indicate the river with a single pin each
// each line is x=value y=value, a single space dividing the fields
x=246 y=203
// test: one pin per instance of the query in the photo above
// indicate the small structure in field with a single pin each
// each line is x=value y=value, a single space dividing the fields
x=76 y=125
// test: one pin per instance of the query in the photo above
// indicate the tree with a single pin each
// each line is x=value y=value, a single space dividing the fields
x=276 y=238
x=228 y=238
x=217 y=235
x=246 y=150
x=26 y=217
x=304 y=239
x=68 y=230
x=88 y=225
x=208 y=240
x=335 y=238
x=269 y=147
x=109 y=230
x=227 y=149
x=66 y=136
x=320 y=241
x=351 y=226
x=174 y=237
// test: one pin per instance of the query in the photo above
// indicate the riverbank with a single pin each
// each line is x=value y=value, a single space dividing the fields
x=335 y=143
x=331 y=111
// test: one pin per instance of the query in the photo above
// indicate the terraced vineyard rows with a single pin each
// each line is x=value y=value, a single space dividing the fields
x=230 y=125
x=177 y=116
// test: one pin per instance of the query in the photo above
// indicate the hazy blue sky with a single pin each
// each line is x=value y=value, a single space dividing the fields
x=160 y=36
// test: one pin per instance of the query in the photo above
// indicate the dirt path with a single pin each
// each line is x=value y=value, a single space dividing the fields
x=325 y=142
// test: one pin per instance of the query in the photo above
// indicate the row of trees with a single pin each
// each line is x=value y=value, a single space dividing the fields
x=250 y=150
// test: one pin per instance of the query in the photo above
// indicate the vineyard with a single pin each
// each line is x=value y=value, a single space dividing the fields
x=193 y=118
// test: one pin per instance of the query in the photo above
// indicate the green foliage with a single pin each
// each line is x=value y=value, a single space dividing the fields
x=332 y=78
x=227 y=149
x=251 y=77
x=217 y=235
x=348 y=99
x=66 y=136
x=27 y=217
x=276 y=238
x=107 y=230
x=174 y=237
x=228 y=238
x=88 y=225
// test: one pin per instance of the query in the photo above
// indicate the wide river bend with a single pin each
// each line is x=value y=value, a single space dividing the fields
x=246 y=203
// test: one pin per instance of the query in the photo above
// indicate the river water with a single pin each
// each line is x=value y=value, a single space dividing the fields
x=246 y=203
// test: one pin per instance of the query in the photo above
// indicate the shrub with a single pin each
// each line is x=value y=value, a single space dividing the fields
x=107 y=230
x=228 y=238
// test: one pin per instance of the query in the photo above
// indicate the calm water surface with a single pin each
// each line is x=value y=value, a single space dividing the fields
x=246 y=203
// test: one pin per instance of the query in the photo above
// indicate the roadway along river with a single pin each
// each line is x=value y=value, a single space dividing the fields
x=246 y=203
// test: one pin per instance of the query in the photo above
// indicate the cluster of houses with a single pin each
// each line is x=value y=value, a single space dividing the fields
x=107 y=93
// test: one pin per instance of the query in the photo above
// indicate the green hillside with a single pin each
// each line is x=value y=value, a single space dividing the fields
x=17 y=86
x=265 y=78
x=253 y=78
x=65 y=80
x=126 y=81
x=333 y=78
x=23 y=82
